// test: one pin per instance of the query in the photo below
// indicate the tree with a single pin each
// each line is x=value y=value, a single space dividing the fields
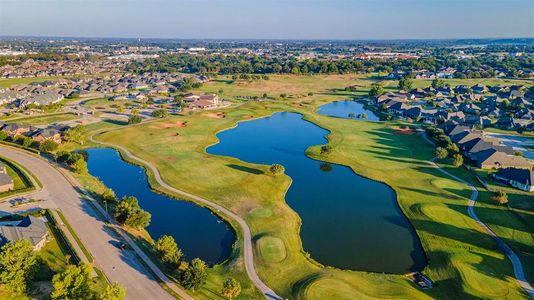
x=168 y=250
x=437 y=83
x=113 y=292
x=405 y=84
x=18 y=264
x=351 y=115
x=501 y=197
x=326 y=149
x=62 y=156
x=277 y=169
x=457 y=160
x=26 y=141
x=376 y=90
x=3 y=135
x=160 y=113
x=452 y=148
x=134 y=119
x=78 y=164
x=195 y=275
x=48 y=146
x=130 y=213
x=364 y=116
x=109 y=195
x=441 y=153
x=73 y=283
x=231 y=288
x=75 y=134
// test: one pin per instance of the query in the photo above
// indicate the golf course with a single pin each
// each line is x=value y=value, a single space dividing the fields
x=390 y=152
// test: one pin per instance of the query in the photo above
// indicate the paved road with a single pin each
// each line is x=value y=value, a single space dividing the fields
x=248 y=252
x=516 y=263
x=118 y=266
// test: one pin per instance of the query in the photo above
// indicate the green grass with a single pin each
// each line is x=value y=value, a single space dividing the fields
x=45 y=119
x=5 y=83
x=21 y=178
x=463 y=260
x=76 y=237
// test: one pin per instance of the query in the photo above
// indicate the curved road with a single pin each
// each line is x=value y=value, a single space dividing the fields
x=248 y=252
x=514 y=259
x=96 y=234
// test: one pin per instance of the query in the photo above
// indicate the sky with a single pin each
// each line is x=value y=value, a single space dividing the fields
x=269 y=19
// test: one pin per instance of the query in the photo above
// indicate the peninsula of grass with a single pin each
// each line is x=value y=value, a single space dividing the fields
x=463 y=261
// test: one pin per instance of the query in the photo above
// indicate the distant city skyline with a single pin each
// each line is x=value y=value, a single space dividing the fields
x=269 y=19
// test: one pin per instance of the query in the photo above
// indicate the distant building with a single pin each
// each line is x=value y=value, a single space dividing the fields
x=30 y=228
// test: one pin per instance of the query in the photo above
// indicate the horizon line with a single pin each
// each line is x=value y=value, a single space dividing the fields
x=269 y=39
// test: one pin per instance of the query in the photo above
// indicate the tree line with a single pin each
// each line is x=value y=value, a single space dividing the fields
x=478 y=67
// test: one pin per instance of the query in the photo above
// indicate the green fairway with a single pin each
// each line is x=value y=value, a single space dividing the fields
x=463 y=260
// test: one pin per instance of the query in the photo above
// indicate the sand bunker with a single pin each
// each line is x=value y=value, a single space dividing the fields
x=399 y=130
x=218 y=115
x=168 y=125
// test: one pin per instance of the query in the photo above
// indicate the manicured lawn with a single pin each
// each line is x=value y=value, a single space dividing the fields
x=45 y=119
x=21 y=181
x=12 y=81
x=463 y=260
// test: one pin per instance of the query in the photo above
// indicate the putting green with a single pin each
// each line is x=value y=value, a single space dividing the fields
x=261 y=212
x=271 y=249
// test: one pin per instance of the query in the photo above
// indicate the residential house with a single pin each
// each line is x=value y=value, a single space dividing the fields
x=6 y=182
x=30 y=228
x=522 y=179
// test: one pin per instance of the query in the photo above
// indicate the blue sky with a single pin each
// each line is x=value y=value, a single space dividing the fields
x=283 y=19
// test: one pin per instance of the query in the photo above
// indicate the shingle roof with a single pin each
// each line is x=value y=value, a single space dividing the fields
x=523 y=176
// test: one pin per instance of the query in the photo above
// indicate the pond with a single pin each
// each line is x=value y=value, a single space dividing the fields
x=348 y=221
x=197 y=231
x=342 y=109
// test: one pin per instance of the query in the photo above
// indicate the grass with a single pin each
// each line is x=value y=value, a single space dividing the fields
x=45 y=119
x=76 y=237
x=21 y=178
x=463 y=260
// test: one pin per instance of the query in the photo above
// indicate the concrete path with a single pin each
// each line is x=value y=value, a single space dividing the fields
x=96 y=234
x=514 y=259
x=248 y=251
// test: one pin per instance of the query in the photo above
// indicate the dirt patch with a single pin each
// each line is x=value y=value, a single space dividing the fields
x=172 y=134
x=399 y=130
x=169 y=158
x=168 y=125
x=248 y=117
x=216 y=115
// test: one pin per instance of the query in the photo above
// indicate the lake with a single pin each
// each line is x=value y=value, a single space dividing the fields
x=342 y=109
x=348 y=221
x=197 y=231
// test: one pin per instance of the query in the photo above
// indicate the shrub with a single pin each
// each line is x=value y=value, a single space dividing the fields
x=48 y=146
x=277 y=169
x=500 y=197
x=326 y=149
x=135 y=119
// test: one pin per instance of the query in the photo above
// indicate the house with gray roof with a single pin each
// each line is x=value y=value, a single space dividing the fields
x=522 y=179
x=30 y=228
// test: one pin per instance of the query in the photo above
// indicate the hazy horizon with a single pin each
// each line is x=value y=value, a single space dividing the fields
x=269 y=20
